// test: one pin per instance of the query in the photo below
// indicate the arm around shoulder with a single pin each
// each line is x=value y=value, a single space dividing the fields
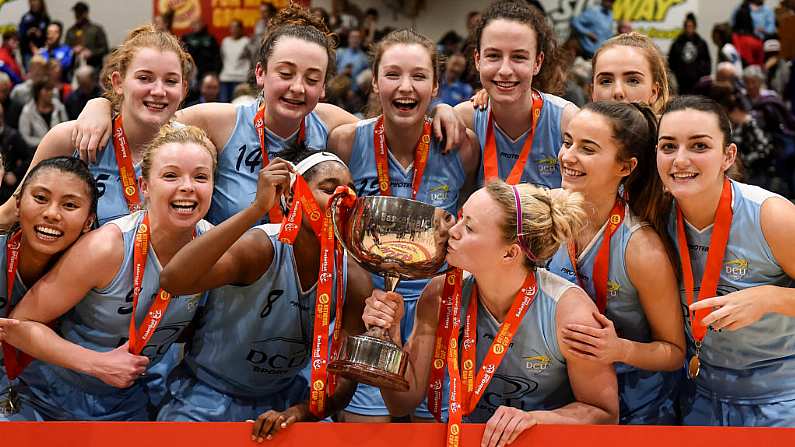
x=340 y=141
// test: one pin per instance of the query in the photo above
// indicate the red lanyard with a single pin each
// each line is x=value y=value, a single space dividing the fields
x=14 y=360
x=490 y=162
x=717 y=249
x=465 y=389
x=421 y=152
x=446 y=329
x=126 y=171
x=321 y=385
x=602 y=262
x=275 y=213
x=157 y=309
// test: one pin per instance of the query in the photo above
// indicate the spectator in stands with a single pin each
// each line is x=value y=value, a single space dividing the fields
x=86 y=38
x=209 y=89
x=688 y=57
x=33 y=29
x=370 y=27
x=5 y=94
x=722 y=38
x=266 y=11
x=235 y=64
x=55 y=74
x=352 y=59
x=452 y=90
x=593 y=26
x=15 y=153
x=40 y=114
x=747 y=43
x=755 y=87
x=450 y=43
x=55 y=50
x=776 y=67
x=87 y=89
x=37 y=71
x=8 y=60
x=762 y=17
x=203 y=47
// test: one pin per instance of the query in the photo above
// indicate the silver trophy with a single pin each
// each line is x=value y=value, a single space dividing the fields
x=399 y=239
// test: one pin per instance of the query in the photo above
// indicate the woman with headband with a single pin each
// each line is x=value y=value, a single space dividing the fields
x=255 y=332
x=515 y=369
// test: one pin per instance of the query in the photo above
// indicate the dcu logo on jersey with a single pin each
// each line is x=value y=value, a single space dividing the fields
x=547 y=166
x=537 y=364
x=736 y=268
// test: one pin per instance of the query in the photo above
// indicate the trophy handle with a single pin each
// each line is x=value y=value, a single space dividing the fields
x=391 y=281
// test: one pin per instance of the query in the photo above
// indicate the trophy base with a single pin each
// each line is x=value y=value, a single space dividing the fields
x=369 y=375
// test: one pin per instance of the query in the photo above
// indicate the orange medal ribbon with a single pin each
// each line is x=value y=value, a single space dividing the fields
x=421 y=152
x=711 y=276
x=602 y=262
x=490 y=162
x=157 y=309
x=14 y=360
x=331 y=255
x=125 y=164
x=275 y=213
x=446 y=328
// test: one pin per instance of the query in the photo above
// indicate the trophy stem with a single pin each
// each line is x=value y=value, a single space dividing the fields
x=391 y=281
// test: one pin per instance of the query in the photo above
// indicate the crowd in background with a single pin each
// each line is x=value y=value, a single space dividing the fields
x=47 y=74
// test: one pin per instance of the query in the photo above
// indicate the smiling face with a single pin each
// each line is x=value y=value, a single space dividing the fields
x=507 y=60
x=152 y=87
x=294 y=79
x=179 y=186
x=589 y=155
x=622 y=73
x=405 y=84
x=54 y=210
x=474 y=245
x=692 y=155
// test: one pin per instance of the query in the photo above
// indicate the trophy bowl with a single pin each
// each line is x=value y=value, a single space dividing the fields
x=399 y=239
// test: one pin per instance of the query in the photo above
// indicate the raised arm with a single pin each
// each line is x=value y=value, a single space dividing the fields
x=216 y=118
x=221 y=256
x=91 y=263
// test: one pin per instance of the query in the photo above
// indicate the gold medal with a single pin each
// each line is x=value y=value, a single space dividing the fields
x=10 y=405
x=693 y=367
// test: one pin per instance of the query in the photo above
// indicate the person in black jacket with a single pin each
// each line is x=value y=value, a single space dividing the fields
x=688 y=57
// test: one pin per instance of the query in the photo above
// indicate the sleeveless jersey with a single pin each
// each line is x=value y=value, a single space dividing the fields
x=240 y=161
x=532 y=375
x=637 y=388
x=253 y=341
x=755 y=364
x=111 y=204
x=19 y=291
x=542 y=167
x=442 y=182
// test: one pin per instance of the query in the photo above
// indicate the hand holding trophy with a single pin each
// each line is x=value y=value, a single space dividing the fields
x=400 y=239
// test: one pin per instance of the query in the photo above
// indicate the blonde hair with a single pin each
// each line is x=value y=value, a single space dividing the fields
x=657 y=63
x=144 y=36
x=549 y=217
x=179 y=134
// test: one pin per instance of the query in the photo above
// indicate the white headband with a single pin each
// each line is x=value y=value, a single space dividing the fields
x=314 y=160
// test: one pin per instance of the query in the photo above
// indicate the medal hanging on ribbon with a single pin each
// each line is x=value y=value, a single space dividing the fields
x=466 y=389
x=602 y=262
x=331 y=259
x=129 y=180
x=490 y=159
x=421 y=152
x=14 y=360
x=711 y=276
x=157 y=309
x=275 y=214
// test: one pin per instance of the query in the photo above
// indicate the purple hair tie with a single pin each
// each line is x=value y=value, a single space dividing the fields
x=519 y=234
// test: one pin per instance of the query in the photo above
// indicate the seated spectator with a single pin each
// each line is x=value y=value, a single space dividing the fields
x=451 y=89
x=244 y=94
x=87 y=89
x=747 y=43
x=762 y=17
x=352 y=59
x=55 y=70
x=209 y=89
x=37 y=71
x=754 y=80
x=776 y=67
x=236 y=64
x=5 y=94
x=204 y=49
x=40 y=114
x=593 y=26
x=450 y=43
x=8 y=60
x=722 y=38
x=60 y=52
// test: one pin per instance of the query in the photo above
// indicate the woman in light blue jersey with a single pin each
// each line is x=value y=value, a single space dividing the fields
x=622 y=257
x=145 y=80
x=395 y=154
x=295 y=61
x=539 y=378
x=247 y=354
x=115 y=321
x=520 y=130
x=735 y=245
x=56 y=205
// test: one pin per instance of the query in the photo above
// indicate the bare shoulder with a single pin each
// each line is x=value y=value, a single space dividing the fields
x=576 y=307
x=340 y=141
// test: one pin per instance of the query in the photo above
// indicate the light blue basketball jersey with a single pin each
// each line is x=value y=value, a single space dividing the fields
x=643 y=395
x=240 y=161
x=253 y=341
x=532 y=374
x=111 y=204
x=755 y=364
x=100 y=322
x=542 y=167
